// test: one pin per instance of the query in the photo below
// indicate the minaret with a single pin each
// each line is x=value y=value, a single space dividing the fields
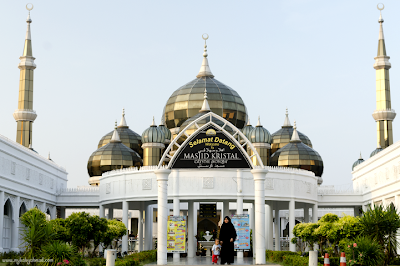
x=383 y=114
x=25 y=115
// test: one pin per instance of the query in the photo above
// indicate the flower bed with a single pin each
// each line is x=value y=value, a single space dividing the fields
x=137 y=259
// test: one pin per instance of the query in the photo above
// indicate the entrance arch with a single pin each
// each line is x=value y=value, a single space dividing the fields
x=21 y=226
x=7 y=225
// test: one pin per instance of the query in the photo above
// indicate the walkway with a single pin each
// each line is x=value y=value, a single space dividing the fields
x=206 y=261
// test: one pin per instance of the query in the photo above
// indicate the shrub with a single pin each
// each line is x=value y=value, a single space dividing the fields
x=295 y=260
x=335 y=261
x=137 y=258
x=58 y=251
x=95 y=262
x=277 y=256
x=364 y=251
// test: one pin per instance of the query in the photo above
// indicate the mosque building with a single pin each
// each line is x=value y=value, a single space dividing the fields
x=205 y=151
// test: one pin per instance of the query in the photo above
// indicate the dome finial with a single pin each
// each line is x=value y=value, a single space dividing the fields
x=259 y=122
x=154 y=123
x=295 y=136
x=48 y=156
x=379 y=146
x=115 y=136
x=286 y=123
x=122 y=123
x=360 y=157
x=206 y=106
x=205 y=70
x=248 y=122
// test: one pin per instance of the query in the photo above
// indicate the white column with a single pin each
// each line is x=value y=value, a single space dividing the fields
x=191 y=234
x=148 y=237
x=225 y=209
x=176 y=204
x=277 y=223
x=102 y=211
x=163 y=213
x=15 y=225
x=43 y=208
x=110 y=213
x=252 y=227
x=269 y=234
x=125 y=210
x=259 y=202
x=140 y=228
x=1 y=220
x=32 y=205
x=306 y=213
x=292 y=222
x=239 y=205
x=315 y=219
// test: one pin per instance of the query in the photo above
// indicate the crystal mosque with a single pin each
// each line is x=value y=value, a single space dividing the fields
x=205 y=151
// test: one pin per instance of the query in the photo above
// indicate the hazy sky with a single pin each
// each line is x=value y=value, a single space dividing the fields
x=96 y=57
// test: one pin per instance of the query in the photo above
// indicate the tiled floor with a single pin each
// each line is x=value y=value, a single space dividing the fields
x=206 y=261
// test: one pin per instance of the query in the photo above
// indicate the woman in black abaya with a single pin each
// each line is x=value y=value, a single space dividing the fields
x=227 y=236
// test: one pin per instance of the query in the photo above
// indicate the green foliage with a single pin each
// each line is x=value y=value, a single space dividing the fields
x=80 y=229
x=115 y=230
x=382 y=224
x=95 y=262
x=58 y=251
x=363 y=251
x=137 y=258
x=60 y=230
x=37 y=232
x=99 y=228
x=277 y=256
x=329 y=218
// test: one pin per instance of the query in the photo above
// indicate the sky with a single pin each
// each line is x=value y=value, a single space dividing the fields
x=96 y=57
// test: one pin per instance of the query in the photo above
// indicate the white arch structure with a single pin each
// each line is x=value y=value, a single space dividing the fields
x=259 y=174
x=226 y=123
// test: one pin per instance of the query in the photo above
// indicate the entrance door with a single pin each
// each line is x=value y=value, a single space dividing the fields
x=7 y=226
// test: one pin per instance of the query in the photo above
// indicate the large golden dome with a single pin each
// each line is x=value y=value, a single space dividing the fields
x=186 y=101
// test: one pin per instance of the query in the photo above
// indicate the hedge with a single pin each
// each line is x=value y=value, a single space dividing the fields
x=137 y=258
x=277 y=256
x=289 y=258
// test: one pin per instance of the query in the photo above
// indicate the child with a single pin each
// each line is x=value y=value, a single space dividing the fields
x=216 y=249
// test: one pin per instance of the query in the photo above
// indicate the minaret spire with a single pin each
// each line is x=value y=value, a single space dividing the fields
x=122 y=123
x=383 y=115
x=25 y=115
x=115 y=136
x=205 y=70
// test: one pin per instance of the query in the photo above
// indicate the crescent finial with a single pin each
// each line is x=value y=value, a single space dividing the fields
x=379 y=6
x=29 y=6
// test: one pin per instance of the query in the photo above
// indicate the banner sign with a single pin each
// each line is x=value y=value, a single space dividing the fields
x=210 y=148
x=241 y=223
x=176 y=238
x=208 y=210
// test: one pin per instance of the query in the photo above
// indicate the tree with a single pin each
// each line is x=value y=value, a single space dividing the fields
x=115 y=230
x=37 y=232
x=381 y=224
x=99 y=228
x=60 y=230
x=79 y=229
x=305 y=231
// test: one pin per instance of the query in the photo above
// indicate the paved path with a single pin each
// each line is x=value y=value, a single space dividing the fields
x=200 y=261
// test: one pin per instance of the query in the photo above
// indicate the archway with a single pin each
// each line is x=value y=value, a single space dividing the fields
x=21 y=226
x=206 y=225
x=7 y=225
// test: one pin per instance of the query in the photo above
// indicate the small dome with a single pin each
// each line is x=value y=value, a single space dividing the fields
x=167 y=133
x=247 y=129
x=153 y=134
x=186 y=101
x=128 y=137
x=112 y=156
x=259 y=134
x=359 y=161
x=377 y=150
x=296 y=154
x=282 y=137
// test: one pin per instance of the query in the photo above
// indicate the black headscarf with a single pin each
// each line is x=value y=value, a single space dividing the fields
x=228 y=231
